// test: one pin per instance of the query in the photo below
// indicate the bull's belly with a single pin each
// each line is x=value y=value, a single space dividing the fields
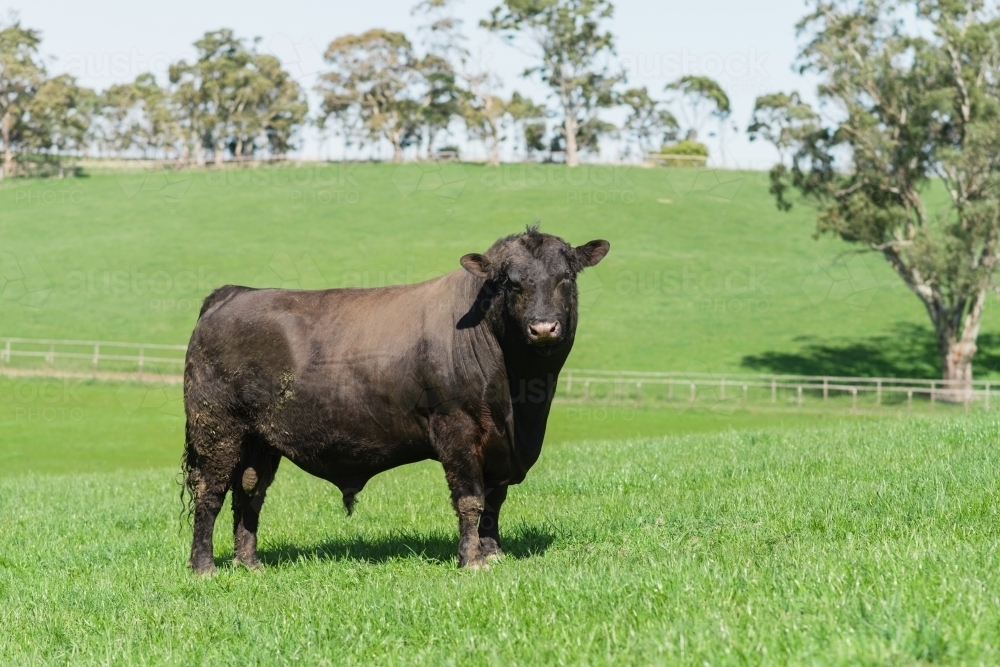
x=343 y=446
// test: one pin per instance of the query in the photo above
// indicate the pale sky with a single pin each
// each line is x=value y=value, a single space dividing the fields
x=748 y=46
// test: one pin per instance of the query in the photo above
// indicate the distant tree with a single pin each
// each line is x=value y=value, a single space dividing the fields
x=281 y=106
x=918 y=88
x=784 y=120
x=701 y=98
x=157 y=129
x=233 y=98
x=484 y=116
x=442 y=98
x=569 y=46
x=59 y=116
x=375 y=74
x=528 y=120
x=648 y=125
x=21 y=74
x=119 y=122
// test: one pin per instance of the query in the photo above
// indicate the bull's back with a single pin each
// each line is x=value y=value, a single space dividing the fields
x=341 y=369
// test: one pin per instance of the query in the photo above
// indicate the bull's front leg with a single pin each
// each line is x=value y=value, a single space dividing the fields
x=489 y=523
x=456 y=438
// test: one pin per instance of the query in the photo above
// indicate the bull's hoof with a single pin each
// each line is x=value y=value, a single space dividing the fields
x=475 y=564
x=203 y=569
x=490 y=549
x=250 y=564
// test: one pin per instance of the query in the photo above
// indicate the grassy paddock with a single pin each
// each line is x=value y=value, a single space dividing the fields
x=75 y=426
x=704 y=275
x=856 y=543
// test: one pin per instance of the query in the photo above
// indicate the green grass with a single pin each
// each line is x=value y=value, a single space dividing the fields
x=705 y=274
x=865 y=543
x=82 y=426
x=746 y=536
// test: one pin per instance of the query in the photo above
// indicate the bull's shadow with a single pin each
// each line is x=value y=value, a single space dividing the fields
x=436 y=548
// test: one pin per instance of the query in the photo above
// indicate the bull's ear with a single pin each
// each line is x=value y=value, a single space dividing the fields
x=476 y=264
x=593 y=252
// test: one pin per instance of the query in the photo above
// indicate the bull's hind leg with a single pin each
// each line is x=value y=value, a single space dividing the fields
x=456 y=438
x=489 y=523
x=211 y=454
x=251 y=478
x=208 y=480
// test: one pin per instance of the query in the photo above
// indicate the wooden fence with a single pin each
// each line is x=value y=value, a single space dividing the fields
x=116 y=360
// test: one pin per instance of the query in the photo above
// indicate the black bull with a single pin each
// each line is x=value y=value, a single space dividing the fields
x=348 y=383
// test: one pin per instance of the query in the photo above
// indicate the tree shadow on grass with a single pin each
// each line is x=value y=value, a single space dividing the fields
x=436 y=548
x=909 y=351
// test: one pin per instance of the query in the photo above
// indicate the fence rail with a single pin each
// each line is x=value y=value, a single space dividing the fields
x=118 y=360
x=94 y=354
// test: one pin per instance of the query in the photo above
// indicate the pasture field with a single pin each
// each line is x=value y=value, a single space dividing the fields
x=862 y=543
x=643 y=535
x=704 y=274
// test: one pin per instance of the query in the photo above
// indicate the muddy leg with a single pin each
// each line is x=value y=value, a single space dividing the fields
x=453 y=436
x=209 y=493
x=489 y=523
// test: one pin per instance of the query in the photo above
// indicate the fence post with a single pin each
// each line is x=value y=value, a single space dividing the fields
x=97 y=354
x=50 y=358
x=670 y=389
x=909 y=400
x=774 y=390
x=694 y=391
x=987 y=405
x=638 y=393
x=586 y=390
x=826 y=388
x=800 y=395
x=722 y=389
x=854 y=400
x=745 y=402
x=142 y=360
x=878 y=392
x=6 y=352
x=933 y=393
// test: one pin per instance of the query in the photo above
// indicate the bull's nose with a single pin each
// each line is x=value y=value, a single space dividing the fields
x=543 y=332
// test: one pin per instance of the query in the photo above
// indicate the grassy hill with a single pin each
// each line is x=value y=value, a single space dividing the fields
x=704 y=273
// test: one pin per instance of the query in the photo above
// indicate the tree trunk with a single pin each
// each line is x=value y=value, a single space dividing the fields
x=494 y=151
x=397 y=150
x=218 y=155
x=570 y=128
x=199 y=152
x=8 y=158
x=957 y=351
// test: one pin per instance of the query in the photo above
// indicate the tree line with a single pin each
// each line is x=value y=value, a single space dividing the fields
x=232 y=101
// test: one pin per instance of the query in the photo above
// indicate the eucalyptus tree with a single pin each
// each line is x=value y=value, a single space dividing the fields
x=528 y=121
x=377 y=75
x=701 y=98
x=21 y=74
x=570 y=48
x=917 y=85
x=648 y=124
x=234 y=98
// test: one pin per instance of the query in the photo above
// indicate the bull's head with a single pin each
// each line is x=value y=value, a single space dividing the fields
x=537 y=275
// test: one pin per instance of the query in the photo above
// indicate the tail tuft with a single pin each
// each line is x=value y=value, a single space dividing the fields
x=349 y=501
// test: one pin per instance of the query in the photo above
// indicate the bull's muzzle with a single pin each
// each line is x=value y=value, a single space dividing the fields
x=544 y=333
